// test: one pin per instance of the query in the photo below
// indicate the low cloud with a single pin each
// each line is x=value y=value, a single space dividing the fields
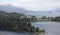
x=33 y=4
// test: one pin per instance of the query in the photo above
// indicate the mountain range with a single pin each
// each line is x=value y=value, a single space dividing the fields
x=10 y=8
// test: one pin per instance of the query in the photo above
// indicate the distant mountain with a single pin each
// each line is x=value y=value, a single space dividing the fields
x=11 y=8
x=10 y=15
x=49 y=13
x=56 y=9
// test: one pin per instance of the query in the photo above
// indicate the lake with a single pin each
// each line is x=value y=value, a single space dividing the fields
x=52 y=28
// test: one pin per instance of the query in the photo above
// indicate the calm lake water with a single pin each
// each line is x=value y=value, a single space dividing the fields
x=53 y=28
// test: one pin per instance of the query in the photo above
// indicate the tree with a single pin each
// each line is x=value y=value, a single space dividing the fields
x=37 y=29
x=43 y=30
x=44 y=17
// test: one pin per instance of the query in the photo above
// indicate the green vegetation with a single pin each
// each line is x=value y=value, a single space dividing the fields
x=12 y=22
x=56 y=19
x=44 y=18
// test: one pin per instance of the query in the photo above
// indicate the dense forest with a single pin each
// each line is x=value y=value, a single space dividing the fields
x=12 y=22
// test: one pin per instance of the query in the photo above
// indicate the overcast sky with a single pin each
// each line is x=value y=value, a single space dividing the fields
x=33 y=4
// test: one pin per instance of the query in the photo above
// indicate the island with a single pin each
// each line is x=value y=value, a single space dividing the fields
x=56 y=19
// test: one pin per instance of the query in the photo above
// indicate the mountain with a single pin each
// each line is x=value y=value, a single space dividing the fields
x=10 y=15
x=56 y=9
x=11 y=8
x=39 y=13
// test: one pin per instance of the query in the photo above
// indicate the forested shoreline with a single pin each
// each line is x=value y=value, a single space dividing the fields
x=13 y=22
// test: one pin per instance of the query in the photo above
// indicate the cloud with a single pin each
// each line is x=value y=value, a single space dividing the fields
x=33 y=4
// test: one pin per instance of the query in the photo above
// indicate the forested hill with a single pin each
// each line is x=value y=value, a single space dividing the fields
x=13 y=22
x=10 y=15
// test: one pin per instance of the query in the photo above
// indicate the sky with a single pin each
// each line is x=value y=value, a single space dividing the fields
x=33 y=4
x=36 y=5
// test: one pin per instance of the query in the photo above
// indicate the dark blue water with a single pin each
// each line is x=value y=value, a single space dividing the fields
x=52 y=28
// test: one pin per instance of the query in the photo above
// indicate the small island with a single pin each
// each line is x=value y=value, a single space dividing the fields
x=44 y=18
x=56 y=19
x=18 y=22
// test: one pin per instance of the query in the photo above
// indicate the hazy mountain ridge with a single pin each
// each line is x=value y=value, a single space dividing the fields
x=11 y=8
x=38 y=13
x=10 y=15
